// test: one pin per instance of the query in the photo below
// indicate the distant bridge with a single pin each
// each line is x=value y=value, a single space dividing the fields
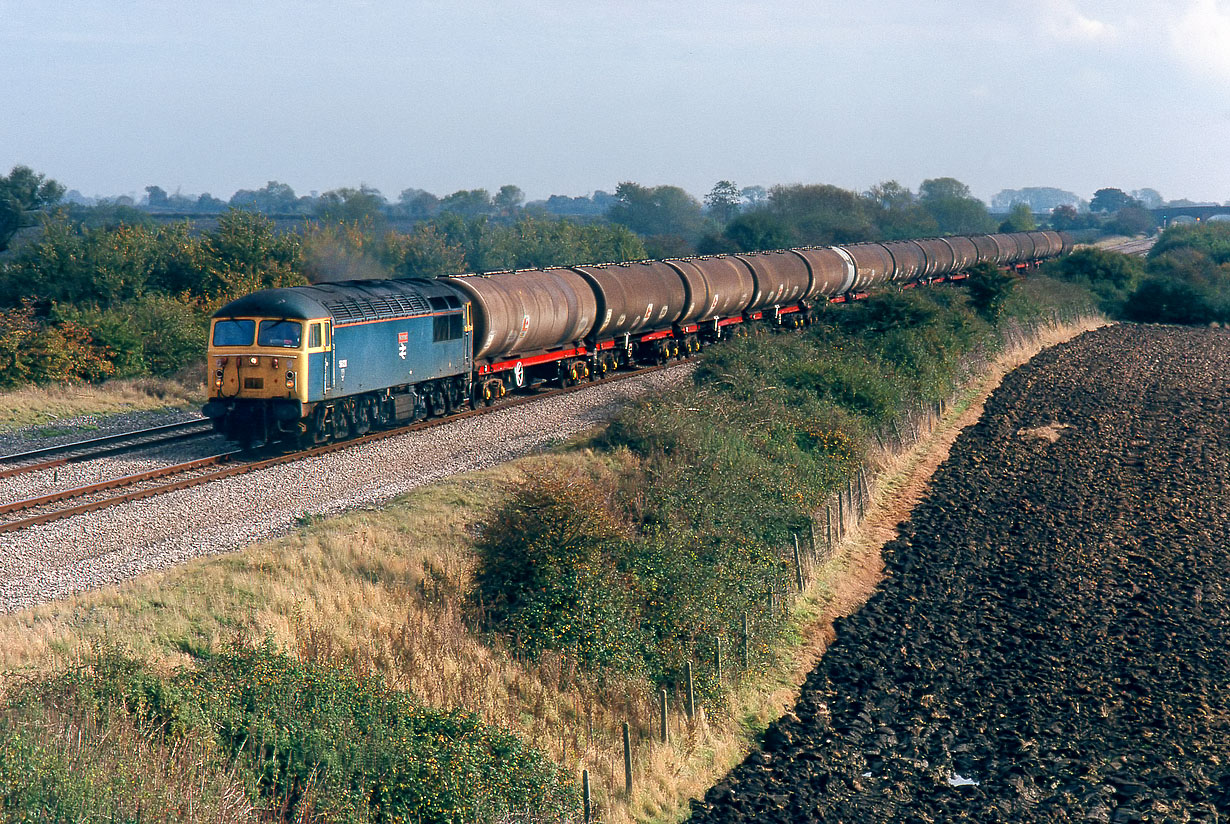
x=1165 y=216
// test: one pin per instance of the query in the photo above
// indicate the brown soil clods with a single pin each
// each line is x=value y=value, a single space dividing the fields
x=1051 y=642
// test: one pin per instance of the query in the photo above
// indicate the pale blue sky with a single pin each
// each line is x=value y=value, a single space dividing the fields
x=559 y=96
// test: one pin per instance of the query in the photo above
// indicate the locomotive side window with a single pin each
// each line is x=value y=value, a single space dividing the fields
x=314 y=336
x=285 y=333
x=234 y=332
x=446 y=327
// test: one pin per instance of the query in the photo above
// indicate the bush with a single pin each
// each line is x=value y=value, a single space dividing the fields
x=1161 y=300
x=304 y=742
x=33 y=351
x=549 y=574
x=989 y=290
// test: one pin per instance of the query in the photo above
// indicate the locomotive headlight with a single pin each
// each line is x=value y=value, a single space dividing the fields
x=290 y=380
x=254 y=361
x=218 y=378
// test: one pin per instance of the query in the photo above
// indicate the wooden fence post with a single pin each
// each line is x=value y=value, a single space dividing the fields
x=691 y=694
x=627 y=761
x=746 y=656
x=665 y=728
x=798 y=564
x=717 y=658
x=585 y=795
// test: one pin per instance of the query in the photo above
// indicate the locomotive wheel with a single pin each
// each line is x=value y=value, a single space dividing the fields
x=318 y=429
x=363 y=417
x=341 y=427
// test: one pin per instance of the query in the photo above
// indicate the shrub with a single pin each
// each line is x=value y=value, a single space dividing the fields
x=1161 y=300
x=989 y=290
x=549 y=574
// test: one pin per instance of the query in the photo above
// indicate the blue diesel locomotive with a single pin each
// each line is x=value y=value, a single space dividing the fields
x=311 y=364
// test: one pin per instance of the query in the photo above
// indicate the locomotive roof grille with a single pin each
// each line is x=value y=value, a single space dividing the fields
x=385 y=307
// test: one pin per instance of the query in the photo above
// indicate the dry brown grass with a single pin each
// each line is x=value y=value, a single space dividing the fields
x=43 y=405
x=385 y=590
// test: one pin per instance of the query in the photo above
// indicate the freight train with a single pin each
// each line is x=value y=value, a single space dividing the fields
x=331 y=361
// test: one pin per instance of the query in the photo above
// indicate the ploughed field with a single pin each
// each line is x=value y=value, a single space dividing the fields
x=1050 y=641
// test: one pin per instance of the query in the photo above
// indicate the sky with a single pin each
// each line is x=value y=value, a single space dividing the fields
x=566 y=97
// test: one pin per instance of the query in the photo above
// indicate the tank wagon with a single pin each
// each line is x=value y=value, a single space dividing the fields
x=335 y=360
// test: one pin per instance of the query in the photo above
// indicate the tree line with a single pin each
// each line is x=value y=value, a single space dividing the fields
x=89 y=292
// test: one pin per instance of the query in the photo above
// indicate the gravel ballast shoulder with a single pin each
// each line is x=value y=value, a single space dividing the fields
x=105 y=547
x=1050 y=641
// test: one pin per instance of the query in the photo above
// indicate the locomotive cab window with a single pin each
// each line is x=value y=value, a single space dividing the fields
x=285 y=333
x=314 y=336
x=234 y=332
x=446 y=327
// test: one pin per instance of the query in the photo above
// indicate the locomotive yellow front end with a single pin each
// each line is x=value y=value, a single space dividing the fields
x=259 y=379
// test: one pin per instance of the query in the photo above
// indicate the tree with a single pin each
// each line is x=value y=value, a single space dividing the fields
x=1065 y=218
x=758 y=231
x=467 y=203
x=22 y=194
x=424 y=253
x=897 y=212
x=352 y=205
x=1110 y=200
x=955 y=210
x=723 y=201
x=1149 y=198
x=418 y=204
x=1112 y=270
x=1133 y=219
x=156 y=197
x=989 y=289
x=657 y=210
x=508 y=199
x=1039 y=198
x=1020 y=219
x=941 y=188
x=822 y=214
x=754 y=196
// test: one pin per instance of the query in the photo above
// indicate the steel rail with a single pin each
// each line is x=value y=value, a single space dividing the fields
x=110 y=445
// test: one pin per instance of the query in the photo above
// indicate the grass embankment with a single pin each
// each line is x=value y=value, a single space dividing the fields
x=387 y=598
x=47 y=406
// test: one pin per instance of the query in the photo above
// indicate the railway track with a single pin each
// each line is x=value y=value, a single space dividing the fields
x=43 y=509
x=1137 y=246
x=51 y=457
